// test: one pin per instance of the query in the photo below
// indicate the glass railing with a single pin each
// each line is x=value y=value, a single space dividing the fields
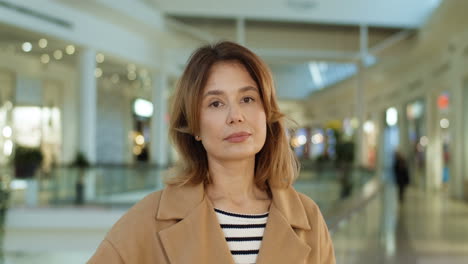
x=123 y=186
x=91 y=186
x=110 y=185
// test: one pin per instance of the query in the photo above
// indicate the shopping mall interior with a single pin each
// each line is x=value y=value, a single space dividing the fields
x=86 y=86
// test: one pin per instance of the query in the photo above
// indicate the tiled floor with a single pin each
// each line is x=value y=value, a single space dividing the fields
x=432 y=229
x=426 y=228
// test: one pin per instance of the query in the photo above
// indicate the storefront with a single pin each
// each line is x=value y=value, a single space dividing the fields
x=6 y=106
x=142 y=113
x=417 y=139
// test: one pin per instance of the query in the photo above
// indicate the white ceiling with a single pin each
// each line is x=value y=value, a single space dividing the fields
x=293 y=81
x=298 y=81
x=381 y=13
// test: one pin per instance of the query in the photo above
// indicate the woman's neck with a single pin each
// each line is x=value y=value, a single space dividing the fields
x=232 y=187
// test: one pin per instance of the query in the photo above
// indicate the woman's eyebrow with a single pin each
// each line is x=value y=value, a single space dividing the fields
x=213 y=92
x=248 y=88
x=220 y=92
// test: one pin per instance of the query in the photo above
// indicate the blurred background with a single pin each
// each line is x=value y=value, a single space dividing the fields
x=84 y=90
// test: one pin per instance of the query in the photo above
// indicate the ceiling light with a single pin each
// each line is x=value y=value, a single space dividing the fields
x=444 y=123
x=316 y=74
x=99 y=58
x=115 y=78
x=42 y=43
x=7 y=132
x=98 y=72
x=131 y=76
x=137 y=150
x=18 y=184
x=143 y=108
x=70 y=49
x=392 y=116
x=45 y=58
x=140 y=140
x=131 y=67
x=354 y=122
x=27 y=46
x=7 y=147
x=8 y=105
x=143 y=73
x=58 y=54
x=368 y=127
x=301 y=139
x=423 y=141
x=317 y=138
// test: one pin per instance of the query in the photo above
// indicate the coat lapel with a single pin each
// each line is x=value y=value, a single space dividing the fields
x=197 y=237
x=280 y=242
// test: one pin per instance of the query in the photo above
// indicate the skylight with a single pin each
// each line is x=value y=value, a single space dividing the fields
x=324 y=74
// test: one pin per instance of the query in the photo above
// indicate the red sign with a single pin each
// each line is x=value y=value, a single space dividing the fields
x=443 y=101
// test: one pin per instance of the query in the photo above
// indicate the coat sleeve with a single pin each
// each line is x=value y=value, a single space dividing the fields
x=106 y=253
x=321 y=239
x=327 y=253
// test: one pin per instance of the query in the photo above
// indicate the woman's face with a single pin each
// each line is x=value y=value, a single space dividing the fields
x=232 y=117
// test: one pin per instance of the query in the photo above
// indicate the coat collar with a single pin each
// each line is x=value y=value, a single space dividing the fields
x=177 y=202
x=198 y=238
x=290 y=206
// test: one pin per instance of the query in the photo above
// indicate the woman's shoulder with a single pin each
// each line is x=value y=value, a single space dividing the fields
x=137 y=220
x=132 y=237
x=305 y=200
x=311 y=208
x=146 y=207
x=314 y=216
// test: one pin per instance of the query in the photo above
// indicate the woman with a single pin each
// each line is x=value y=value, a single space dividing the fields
x=232 y=199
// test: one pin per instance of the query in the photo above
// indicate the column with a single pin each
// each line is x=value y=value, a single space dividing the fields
x=159 y=123
x=88 y=104
x=465 y=144
x=240 y=30
x=403 y=136
x=380 y=126
x=434 y=146
x=457 y=113
x=360 y=115
x=359 y=98
x=6 y=118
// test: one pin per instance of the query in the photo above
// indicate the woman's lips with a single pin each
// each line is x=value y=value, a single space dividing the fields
x=237 y=137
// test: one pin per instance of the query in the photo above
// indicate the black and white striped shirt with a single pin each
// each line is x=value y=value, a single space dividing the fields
x=244 y=234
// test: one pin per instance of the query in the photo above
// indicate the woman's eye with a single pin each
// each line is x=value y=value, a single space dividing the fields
x=215 y=104
x=247 y=99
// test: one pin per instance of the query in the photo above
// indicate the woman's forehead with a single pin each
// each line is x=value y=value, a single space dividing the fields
x=226 y=73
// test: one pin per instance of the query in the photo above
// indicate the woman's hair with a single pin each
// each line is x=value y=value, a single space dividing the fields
x=275 y=164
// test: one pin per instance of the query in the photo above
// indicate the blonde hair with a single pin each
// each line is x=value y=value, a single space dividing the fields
x=275 y=164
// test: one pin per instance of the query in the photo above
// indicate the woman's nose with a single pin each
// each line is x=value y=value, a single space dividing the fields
x=235 y=115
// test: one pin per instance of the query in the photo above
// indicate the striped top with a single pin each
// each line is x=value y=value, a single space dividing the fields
x=244 y=234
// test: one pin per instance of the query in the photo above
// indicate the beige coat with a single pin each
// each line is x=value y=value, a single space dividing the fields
x=179 y=225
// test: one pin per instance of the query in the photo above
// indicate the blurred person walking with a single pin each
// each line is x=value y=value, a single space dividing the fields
x=401 y=173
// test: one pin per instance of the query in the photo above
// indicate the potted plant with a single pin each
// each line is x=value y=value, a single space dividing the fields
x=4 y=197
x=344 y=162
x=82 y=164
x=26 y=161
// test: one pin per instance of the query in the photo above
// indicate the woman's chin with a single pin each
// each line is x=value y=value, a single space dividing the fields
x=238 y=155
